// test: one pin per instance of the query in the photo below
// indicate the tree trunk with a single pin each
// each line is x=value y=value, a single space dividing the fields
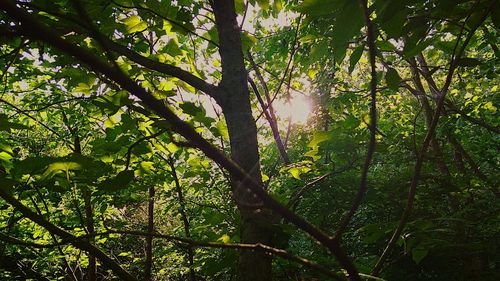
x=253 y=265
x=148 y=267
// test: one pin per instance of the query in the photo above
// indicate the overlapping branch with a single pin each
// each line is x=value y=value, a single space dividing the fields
x=41 y=32
x=457 y=54
x=80 y=244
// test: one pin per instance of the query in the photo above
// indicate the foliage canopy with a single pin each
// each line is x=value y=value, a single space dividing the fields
x=150 y=140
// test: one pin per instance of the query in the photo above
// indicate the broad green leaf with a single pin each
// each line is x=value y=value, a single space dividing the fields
x=6 y=125
x=319 y=7
x=313 y=153
x=278 y=5
x=190 y=108
x=172 y=48
x=418 y=254
x=391 y=16
x=4 y=156
x=318 y=51
x=295 y=172
x=5 y=147
x=134 y=24
x=468 y=62
x=318 y=138
x=412 y=50
x=264 y=177
x=308 y=38
x=121 y=181
x=264 y=4
x=6 y=183
x=348 y=23
x=222 y=128
x=240 y=6
x=172 y=148
x=392 y=78
x=355 y=56
x=147 y=167
x=57 y=167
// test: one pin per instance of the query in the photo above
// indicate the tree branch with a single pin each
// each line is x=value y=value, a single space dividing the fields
x=39 y=31
x=192 y=243
x=271 y=118
x=167 y=69
x=425 y=145
x=75 y=241
x=373 y=124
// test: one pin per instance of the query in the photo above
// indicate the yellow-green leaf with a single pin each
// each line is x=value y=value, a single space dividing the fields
x=134 y=24
x=295 y=172
x=225 y=239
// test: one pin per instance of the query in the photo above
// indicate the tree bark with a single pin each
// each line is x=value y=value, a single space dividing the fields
x=185 y=219
x=252 y=265
x=148 y=266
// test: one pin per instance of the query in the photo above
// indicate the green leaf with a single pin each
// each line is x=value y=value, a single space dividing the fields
x=348 y=23
x=392 y=78
x=391 y=16
x=295 y=172
x=147 y=167
x=134 y=24
x=240 y=6
x=6 y=183
x=355 y=56
x=172 y=48
x=222 y=128
x=225 y=239
x=264 y=4
x=5 y=125
x=318 y=138
x=57 y=167
x=309 y=38
x=418 y=254
x=121 y=181
x=247 y=41
x=190 y=108
x=318 y=8
x=468 y=62
x=351 y=122
x=5 y=156
x=313 y=153
x=318 y=51
x=111 y=102
x=410 y=50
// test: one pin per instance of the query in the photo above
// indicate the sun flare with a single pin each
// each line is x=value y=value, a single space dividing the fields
x=298 y=108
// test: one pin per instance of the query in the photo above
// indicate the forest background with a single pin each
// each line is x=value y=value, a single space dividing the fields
x=249 y=140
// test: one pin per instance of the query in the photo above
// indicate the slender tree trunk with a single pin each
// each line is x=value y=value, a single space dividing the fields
x=148 y=266
x=89 y=213
x=428 y=112
x=92 y=268
x=185 y=220
x=87 y=200
x=253 y=265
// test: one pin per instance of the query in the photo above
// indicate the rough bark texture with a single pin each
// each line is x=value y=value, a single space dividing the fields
x=253 y=265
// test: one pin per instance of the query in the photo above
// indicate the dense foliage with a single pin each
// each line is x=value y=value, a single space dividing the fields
x=105 y=107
